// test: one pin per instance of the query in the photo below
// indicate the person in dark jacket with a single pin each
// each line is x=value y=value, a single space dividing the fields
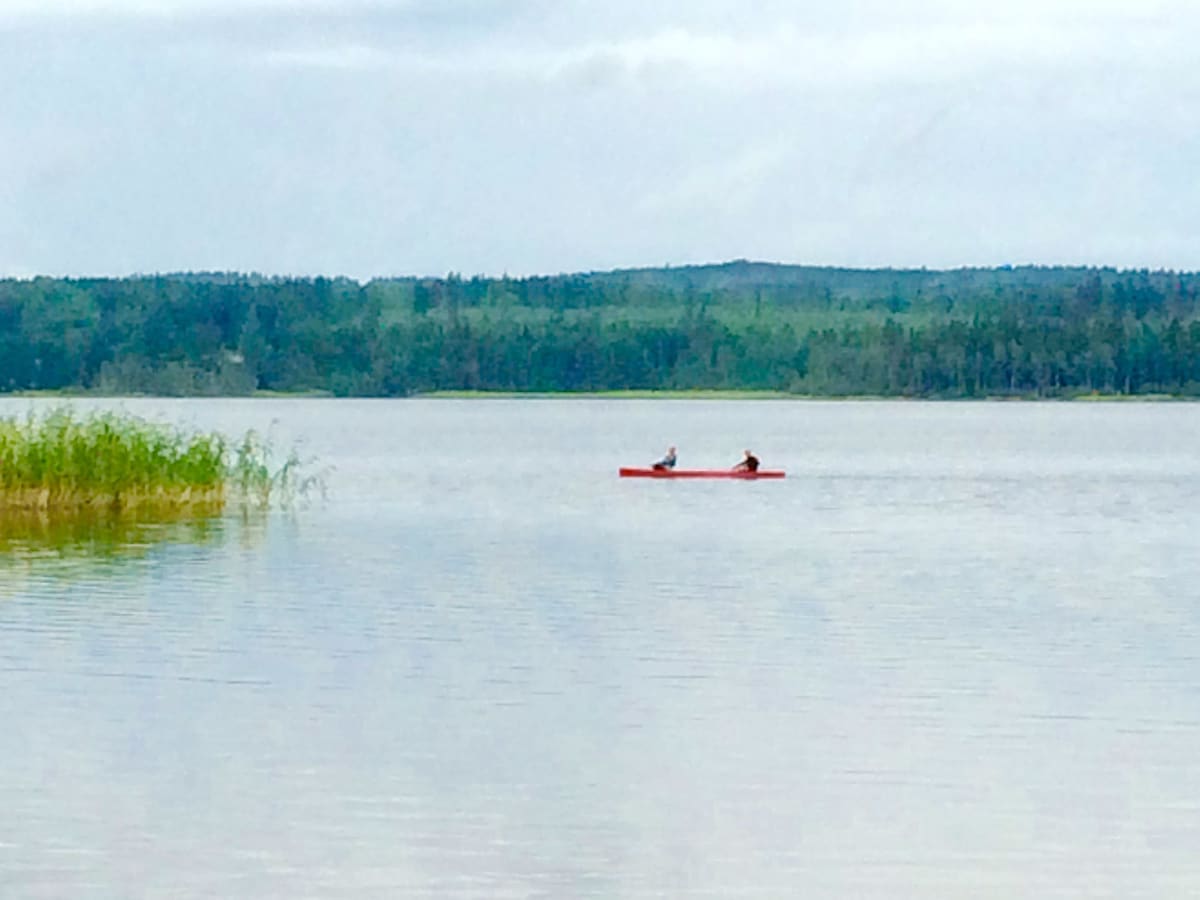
x=749 y=464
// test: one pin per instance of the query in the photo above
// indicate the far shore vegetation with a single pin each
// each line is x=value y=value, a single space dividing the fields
x=62 y=462
x=764 y=329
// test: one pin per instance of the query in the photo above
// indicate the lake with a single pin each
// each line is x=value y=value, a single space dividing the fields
x=956 y=653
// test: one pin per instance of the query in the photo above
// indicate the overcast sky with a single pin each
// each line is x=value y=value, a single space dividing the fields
x=537 y=136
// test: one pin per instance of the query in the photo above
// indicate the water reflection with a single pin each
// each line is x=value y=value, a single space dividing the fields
x=100 y=535
x=35 y=546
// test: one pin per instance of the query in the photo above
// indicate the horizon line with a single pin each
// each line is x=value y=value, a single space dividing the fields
x=619 y=270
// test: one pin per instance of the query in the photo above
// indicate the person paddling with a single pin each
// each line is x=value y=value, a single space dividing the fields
x=667 y=462
x=749 y=464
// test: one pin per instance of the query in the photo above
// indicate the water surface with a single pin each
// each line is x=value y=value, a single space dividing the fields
x=954 y=654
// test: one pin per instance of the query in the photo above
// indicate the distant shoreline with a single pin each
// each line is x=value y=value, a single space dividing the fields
x=785 y=395
x=735 y=395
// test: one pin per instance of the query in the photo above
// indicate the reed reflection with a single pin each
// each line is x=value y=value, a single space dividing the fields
x=37 y=546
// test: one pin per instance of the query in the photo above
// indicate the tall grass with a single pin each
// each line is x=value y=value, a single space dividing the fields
x=64 y=461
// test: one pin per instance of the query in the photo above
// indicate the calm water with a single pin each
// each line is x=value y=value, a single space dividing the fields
x=955 y=654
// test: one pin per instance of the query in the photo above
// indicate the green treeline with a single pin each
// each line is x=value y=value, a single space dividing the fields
x=964 y=333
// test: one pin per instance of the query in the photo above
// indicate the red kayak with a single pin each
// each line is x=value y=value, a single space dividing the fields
x=699 y=473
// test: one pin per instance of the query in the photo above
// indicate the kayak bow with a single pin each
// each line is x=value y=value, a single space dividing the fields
x=699 y=473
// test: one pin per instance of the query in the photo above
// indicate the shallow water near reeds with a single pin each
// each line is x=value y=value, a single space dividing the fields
x=955 y=654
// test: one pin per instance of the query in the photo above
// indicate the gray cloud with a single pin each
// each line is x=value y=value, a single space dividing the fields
x=476 y=135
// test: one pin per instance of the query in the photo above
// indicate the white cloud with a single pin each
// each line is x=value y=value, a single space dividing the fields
x=190 y=11
x=345 y=56
x=727 y=186
x=542 y=135
x=161 y=8
x=783 y=56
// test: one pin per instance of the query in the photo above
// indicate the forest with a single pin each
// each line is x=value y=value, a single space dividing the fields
x=996 y=332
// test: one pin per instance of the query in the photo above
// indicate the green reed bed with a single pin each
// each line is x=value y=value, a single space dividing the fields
x=62 y=460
